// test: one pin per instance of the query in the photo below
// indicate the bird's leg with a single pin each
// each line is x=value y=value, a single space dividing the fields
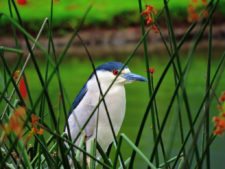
x=91 y=149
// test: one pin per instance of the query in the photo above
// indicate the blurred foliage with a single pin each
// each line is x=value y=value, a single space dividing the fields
x=103 y=13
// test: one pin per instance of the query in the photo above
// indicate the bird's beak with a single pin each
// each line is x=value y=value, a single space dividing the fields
x=133 y=77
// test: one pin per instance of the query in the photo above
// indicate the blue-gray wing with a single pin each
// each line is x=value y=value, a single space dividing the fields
x=77 y=100
x=80 y=112
x=79 y=97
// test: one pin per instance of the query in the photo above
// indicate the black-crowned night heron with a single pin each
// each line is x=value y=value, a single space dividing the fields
x=99 y=127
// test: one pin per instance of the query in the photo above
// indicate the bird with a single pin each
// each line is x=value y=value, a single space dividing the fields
x=98 y=127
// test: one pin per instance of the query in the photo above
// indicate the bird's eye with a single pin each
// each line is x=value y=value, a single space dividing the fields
x=115 y=72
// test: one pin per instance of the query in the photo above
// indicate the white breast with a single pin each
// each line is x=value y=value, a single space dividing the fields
x=116 y=104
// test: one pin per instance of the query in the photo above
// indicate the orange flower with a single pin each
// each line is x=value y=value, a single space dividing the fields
x=219 y=125
x=16 y=122
x=152 y=70
x=145 y=13
x=204 y=2
x=193 y=14
x=149 y=20
x=34 y=119
x=34 y=128
x=220 y=120
x=222 y=97
x=194 y=17
x=155 y=28
x=38 y=131
x=148 y=10
x=217 y=132
x=22 y=85
x=191 y=9
x=34 y=123
x=22 y=2
x=149 y=13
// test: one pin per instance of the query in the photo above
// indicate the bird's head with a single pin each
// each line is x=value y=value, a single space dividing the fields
x=108 y=71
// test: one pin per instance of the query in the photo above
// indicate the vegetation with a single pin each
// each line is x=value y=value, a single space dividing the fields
x=103 y=13
x=169 y=119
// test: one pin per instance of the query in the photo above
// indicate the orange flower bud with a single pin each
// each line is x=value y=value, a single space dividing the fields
x=204 y=2
x=34 y=119
x=151 y=70
x=195 y=1
x=149 y=20
x=149 y=8
x=222 y=97
x=155 y=28
x=22 y=2
x=148 y=14
x=145 y=13
x=34 y=122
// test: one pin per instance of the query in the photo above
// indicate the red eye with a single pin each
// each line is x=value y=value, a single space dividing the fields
x=115 y=72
